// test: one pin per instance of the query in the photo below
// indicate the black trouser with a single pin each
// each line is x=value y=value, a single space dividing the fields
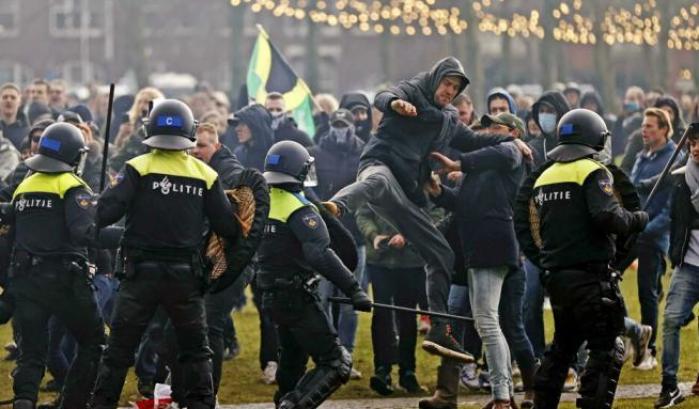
x=51 y=288
x=269 y=339
x=586 y=307
x=176 y=288
x=304 y=330
x=399 y=286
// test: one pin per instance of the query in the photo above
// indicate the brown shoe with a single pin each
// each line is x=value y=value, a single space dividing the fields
x=445 y=397
x=695 y=387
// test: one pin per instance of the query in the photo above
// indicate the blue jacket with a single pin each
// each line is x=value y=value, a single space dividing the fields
x=483 y=205
x=657 y=232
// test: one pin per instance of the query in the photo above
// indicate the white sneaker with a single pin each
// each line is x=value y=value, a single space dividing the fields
x=269 y=375
x=355 y=374
x=468 y=378
x=648 y=363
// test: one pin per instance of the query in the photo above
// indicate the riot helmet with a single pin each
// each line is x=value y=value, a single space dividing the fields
x=61 y=149
x=170 y=126
x=581 y=133
x=289 y=162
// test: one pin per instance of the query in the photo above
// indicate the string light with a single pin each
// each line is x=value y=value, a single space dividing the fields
x=637 y=25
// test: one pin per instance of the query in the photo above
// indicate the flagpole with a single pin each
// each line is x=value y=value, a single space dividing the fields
x=263 y=32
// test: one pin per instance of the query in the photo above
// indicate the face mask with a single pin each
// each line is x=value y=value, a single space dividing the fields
x=341 y=136
x=631 y=106
x=277 y=119
x=547 y=122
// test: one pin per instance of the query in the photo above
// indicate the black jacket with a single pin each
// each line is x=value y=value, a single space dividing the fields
x=289 y=131
x=227 y=166
x=404 y=143
x=353 y=99
x=336 y=167
x=483 y=205
x=683 y=219
x=252 y=153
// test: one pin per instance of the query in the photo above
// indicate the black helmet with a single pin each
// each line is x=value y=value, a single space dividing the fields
x=61 y=148
x=170 y=125
x=288 y=162
x=581 y=133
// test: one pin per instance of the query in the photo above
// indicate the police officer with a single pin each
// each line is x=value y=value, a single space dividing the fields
x=53 y=211
x=294 y=246
x=578 y=218
x=167 y=197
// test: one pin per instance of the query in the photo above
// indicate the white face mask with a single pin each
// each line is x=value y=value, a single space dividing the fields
x=277 y=119
x=547 y=122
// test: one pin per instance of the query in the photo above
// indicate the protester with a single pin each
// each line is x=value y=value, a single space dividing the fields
x=283 y=124
x=359 y=105
x=12 y=126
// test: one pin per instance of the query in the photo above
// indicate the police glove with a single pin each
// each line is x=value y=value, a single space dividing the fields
x=640 y=220
x=360 y=299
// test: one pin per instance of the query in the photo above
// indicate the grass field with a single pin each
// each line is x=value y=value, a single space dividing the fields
x=241 y=381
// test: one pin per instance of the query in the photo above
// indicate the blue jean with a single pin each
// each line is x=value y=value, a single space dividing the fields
x=347 y=316
x=682 y=297
x=466 y=333
x=485 y=290
x=534 y=308
x=512 y=322
x=105 y=292
x=651 y=266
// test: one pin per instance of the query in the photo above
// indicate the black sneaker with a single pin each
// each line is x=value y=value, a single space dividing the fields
x=669 y=397
x=380 y=382
x=408 y=381
x=440 y=341
x=146 y=388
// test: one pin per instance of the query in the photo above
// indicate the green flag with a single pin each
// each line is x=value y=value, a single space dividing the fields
x=270 y=72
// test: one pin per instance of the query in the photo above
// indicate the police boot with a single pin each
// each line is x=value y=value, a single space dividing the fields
x=22 y=404
x=445 y=396
x=110 y=382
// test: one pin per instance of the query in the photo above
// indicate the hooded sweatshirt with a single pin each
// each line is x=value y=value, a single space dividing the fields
x=403 y=143
x=353 y=99
x=501 y=93
x=547 y=141
x=253 y=152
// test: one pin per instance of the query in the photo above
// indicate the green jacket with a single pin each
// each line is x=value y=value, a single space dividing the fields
x=371 y=225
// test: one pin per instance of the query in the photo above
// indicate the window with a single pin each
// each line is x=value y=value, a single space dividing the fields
x=14 y=72
x=9 y=18
x=66 y=18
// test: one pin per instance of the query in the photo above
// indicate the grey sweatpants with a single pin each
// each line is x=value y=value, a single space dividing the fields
x=377 y=186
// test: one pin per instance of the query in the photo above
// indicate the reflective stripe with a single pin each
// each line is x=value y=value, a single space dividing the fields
x=174 y=163
x=55 y=183
x=284 y=203
x=570 y=172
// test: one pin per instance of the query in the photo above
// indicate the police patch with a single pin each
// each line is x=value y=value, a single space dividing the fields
x=606 y=186
x=85 y=200
x=311 y=221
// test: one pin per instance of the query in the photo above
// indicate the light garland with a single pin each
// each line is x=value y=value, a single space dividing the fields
x=638 y=25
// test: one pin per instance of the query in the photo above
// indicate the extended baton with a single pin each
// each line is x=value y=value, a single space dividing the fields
x=340 y=300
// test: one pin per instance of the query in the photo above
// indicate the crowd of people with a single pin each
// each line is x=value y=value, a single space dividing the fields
x=429 y=200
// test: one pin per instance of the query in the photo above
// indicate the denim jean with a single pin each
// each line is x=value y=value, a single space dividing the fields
x=347 y=317
x=512 y=321
x=681 y=299
x=534 y=308
x=651 y=266
x=485 y=290
x=105 y=292
x=465 y=331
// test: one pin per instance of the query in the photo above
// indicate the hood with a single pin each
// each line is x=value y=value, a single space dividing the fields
x=428 y=82
x=667 y=100
x=553 y=98
x=259 y=121
x=593 y=96
x=501 y=92
x=351 y=100
x=354 y=145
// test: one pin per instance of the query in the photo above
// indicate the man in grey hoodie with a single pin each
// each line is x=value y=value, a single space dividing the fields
x=418 y=119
